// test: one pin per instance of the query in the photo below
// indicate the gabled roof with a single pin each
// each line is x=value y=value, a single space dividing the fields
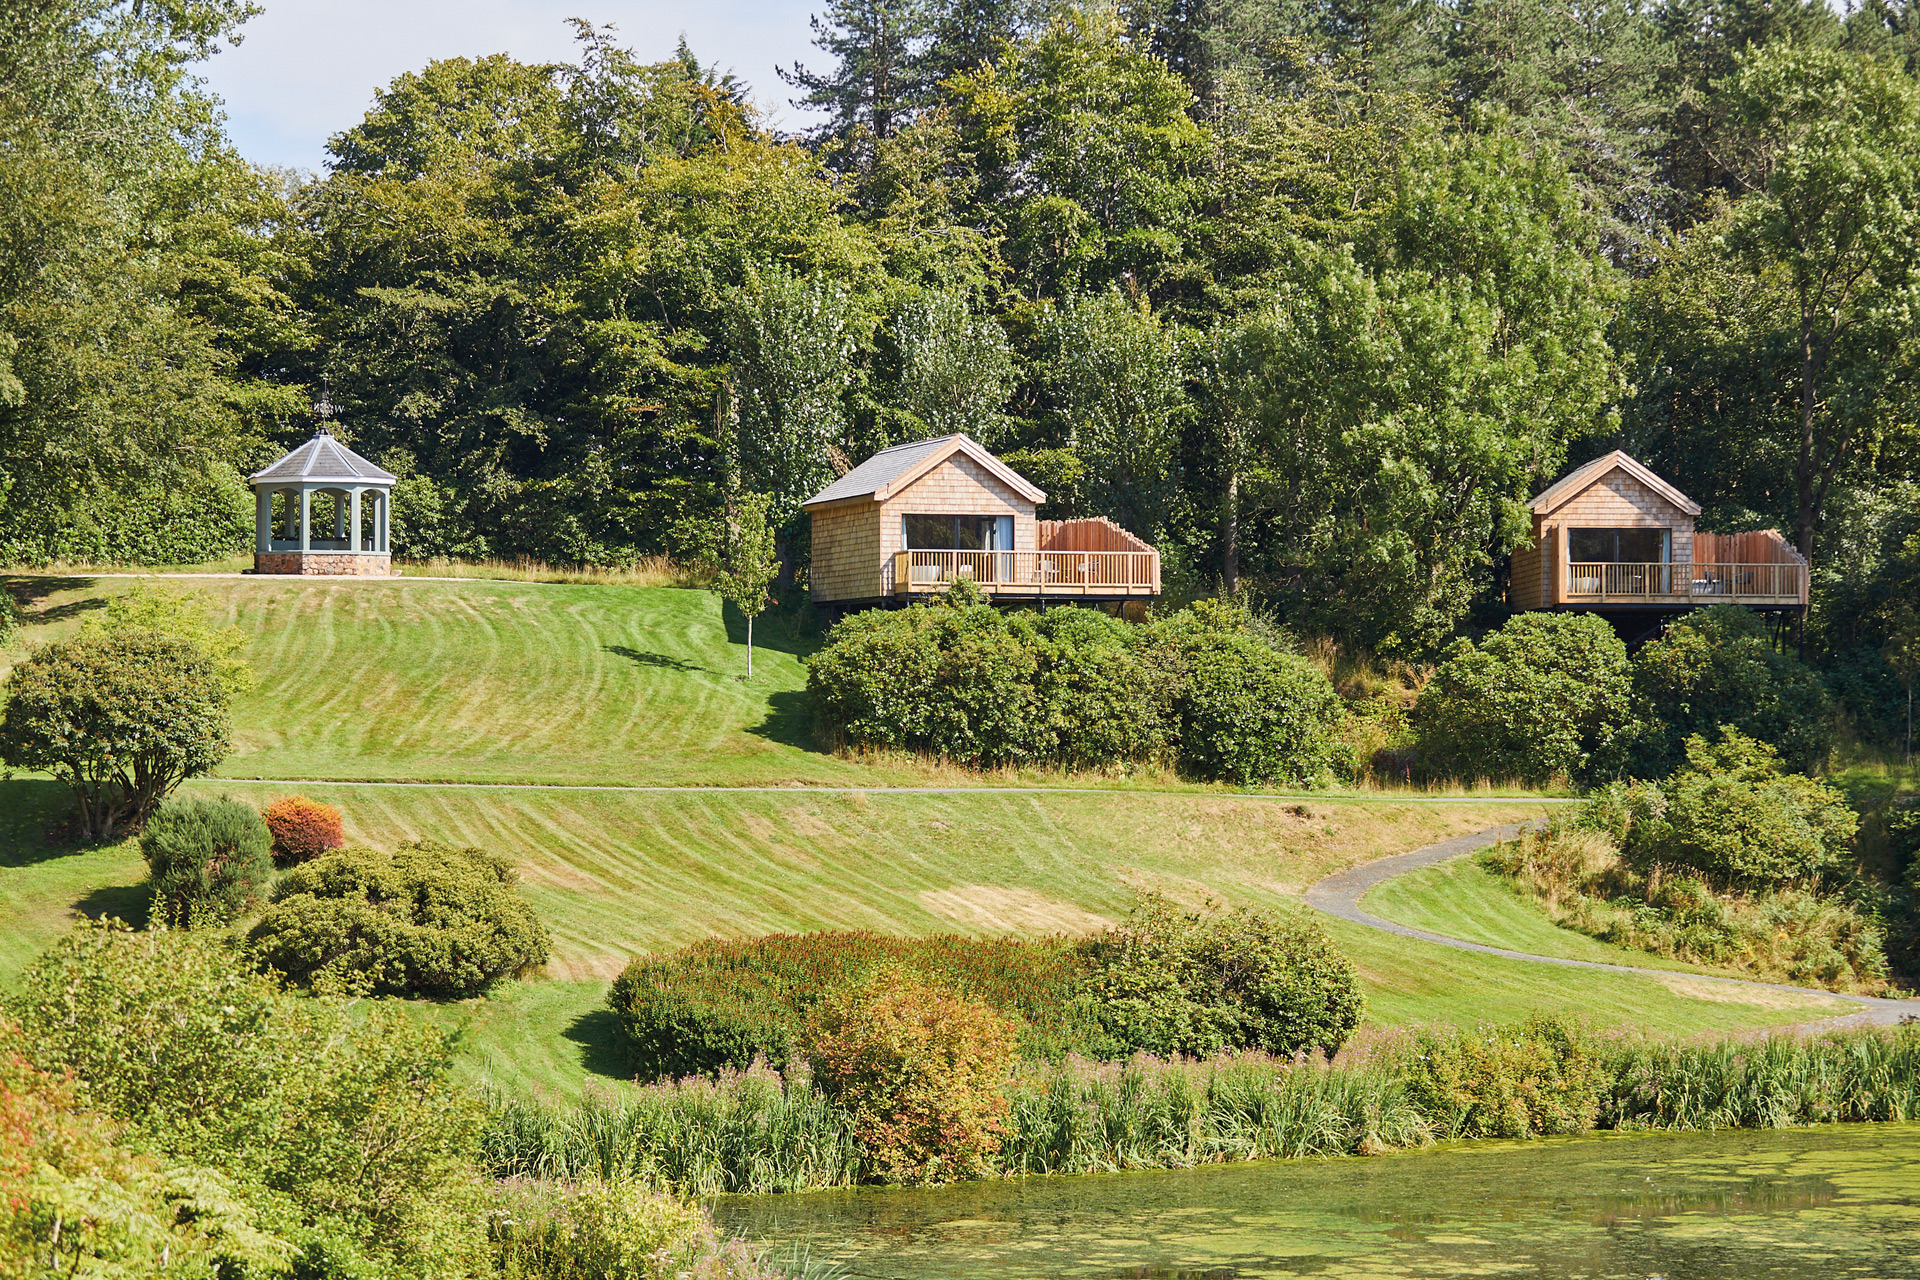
x=1580 y=479
x=891 y=470
x=322 y=460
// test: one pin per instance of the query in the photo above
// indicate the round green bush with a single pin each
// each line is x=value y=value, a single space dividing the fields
x=427 y=920
x=1731 y=815
x=1547 y=694
x=1176 y=983
x=208 y=860
x=1251 y=714
x=122 y=720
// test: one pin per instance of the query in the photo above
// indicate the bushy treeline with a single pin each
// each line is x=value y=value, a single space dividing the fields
x=1262 y=288
x=760 y=1132
x=1205 y=689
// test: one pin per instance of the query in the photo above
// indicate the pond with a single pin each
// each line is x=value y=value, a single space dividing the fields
x=1796 y=1204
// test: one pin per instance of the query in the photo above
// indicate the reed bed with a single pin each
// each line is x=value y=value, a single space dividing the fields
x=654 y=571
x=758 y=1131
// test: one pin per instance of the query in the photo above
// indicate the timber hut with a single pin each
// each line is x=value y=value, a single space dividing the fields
x=1614 y=538
x=910 y=520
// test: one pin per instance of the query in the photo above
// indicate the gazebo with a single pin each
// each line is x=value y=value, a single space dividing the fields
x=360 y=495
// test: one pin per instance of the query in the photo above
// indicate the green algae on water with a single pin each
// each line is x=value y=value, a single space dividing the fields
x=1797 y=1204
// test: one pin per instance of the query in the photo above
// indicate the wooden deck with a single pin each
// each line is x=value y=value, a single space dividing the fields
x=1771 y=585
x=1106 y=575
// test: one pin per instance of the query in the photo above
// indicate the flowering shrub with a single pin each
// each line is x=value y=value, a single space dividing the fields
x=920 y=1070
x=302 y=829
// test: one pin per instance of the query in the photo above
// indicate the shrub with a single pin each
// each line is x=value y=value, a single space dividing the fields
x=1098 y=701
x=121 y=720
x=74 y=1201
x=181 y=615
x=302 y=829
x=1542 y=1076
x=598 y=1230
x=1575 y=872
x=427 y=920
x=921 y=1072
x=207 y=859
x=1173 y=983
x=341 y=1126
x=1733 y=817
x=1718 y=667
x=722 y=1003
x=1252 y=715
x=1547 y=694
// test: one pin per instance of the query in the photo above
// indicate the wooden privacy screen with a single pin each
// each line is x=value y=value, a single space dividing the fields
x=1099 y=534
x=1763 y=547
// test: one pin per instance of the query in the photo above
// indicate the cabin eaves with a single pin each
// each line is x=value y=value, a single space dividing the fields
x=892 y=470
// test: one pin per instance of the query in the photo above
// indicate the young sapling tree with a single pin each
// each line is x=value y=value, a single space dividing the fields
x=748 y=559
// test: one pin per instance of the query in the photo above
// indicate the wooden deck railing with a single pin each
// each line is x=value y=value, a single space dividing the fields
x=1067 y=573
x=1733 y=583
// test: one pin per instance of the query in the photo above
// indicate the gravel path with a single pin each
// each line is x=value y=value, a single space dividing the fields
x=1339 y=895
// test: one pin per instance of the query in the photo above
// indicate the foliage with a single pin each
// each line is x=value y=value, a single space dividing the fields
x=1575 y=872
x=756 y=1132
x=74 y=1200
x=183 y=616
x=1115 y=372
x=1732 y=816
x=121 y=720
x=1718 y=667
x=338 y=1130
x=208 y=860
x=1545 y=695
x=302 y=829
x=748 y=561
x=1175 y=983
x=1246 y=711
x=920 y=1072
x=721 y=1005
x=427 y=920
x=970 y=683
x=1542 y=1076
x=956 y=368
x=791 y=338
x=600 y=1230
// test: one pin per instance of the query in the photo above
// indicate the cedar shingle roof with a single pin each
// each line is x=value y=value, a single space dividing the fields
x=890 y=470
x=322 y=460
x=1580 y=478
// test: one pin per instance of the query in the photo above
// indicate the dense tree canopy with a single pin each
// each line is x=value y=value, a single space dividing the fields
x=1314 y=296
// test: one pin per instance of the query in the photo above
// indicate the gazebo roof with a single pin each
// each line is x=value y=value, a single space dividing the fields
x=322 y=460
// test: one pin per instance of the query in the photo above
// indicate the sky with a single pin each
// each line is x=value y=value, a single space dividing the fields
x=306 y=69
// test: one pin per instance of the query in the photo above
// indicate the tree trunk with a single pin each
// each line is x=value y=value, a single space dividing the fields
x=1230 y=534
x=749 y=646
x=783 y=552
x=1804 y=468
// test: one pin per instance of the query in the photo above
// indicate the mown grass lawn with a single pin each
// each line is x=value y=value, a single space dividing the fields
x=496 y=682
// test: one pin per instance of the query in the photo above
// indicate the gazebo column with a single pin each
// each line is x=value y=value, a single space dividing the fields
x=263 y=519
x=354 y=543
x=386 y=509
x=339 y=516
x=306 y=519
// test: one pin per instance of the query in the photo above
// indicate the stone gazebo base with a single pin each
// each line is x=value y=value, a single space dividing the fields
x=325 y=564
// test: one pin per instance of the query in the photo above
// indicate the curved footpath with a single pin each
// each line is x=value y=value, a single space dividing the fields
x=1339 y=895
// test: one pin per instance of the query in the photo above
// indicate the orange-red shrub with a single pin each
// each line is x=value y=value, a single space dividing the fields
x=921 y=1071
x=302 y=829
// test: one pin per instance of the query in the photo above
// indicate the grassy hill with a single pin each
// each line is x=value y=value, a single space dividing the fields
x=511 y=683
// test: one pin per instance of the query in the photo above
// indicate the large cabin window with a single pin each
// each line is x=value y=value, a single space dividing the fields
x=957 y=533
x=1620 y=546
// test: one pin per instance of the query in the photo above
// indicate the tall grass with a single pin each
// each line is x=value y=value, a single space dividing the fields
x=654 y=571
x=758 y=1132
